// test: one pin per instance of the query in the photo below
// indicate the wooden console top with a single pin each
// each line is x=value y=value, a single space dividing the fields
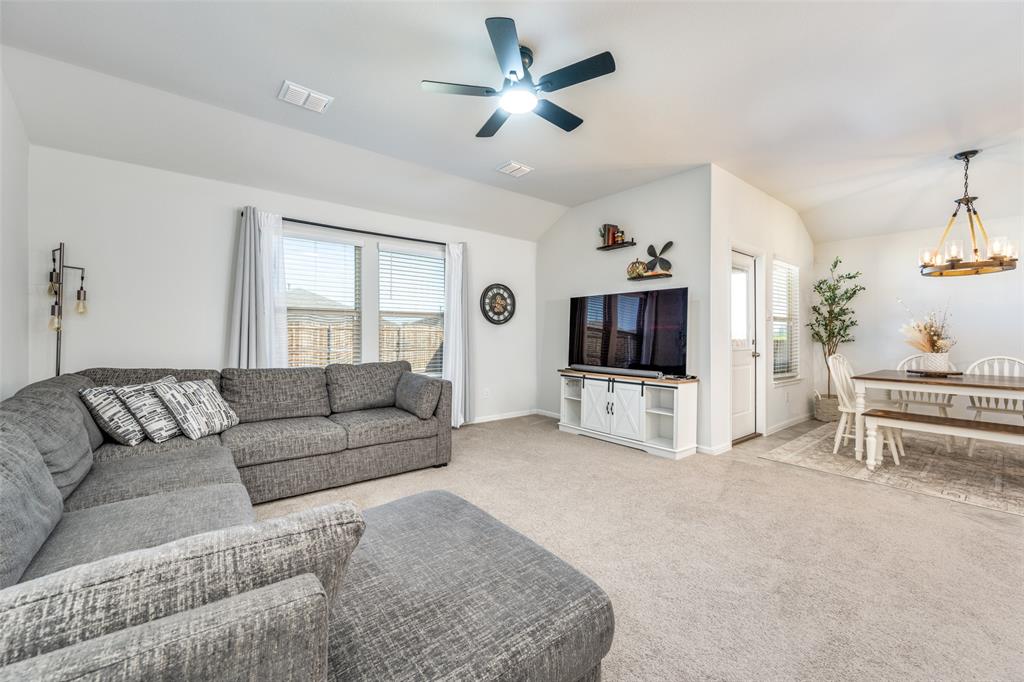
x=624 y=377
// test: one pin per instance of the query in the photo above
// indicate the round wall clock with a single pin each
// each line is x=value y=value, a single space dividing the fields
x=497 y=303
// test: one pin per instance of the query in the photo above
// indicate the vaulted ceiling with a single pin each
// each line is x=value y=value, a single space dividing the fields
x=846 y=111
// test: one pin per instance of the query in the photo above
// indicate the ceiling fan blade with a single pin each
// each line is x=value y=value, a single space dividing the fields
x=550 y=111
x=651 y=251
x=506 y=46
x=493 y=123
x=598 y=65
x=458 y=89
x=665 y=264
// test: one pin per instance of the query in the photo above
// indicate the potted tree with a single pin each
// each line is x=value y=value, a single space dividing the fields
x=831 y=324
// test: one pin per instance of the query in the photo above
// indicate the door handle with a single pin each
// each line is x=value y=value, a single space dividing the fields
x=755 y=354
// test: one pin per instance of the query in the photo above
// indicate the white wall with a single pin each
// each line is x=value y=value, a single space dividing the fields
x=159 y=247
x=745 y=218
x=14 y=149
x=987 y=311
x=675 y=208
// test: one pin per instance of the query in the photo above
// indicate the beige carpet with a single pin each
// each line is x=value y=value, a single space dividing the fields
x=992 y=477
x=738 y=568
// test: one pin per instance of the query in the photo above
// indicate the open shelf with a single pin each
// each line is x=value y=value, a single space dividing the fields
x=660 y=441
x=573 y=388
x=573 y=397
x=656 y=275
x=612 y=247
x=571 y=412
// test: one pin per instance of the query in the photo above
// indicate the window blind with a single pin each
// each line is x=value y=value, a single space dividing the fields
x=785 y=320
x=411 y=290
x=324 y=311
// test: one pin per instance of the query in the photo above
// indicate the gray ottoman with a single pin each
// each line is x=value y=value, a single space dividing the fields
x=437 y=588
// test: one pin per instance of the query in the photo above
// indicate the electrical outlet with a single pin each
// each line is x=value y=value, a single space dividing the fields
x=486 y=393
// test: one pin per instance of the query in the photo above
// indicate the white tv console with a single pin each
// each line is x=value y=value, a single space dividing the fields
x=658 y=416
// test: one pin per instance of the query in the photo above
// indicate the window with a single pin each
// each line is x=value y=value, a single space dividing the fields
x=739 y=314
x=324 y=320
x=411 y=293
x=785 y=320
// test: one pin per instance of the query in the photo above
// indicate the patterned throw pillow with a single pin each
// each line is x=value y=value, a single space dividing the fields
x=112 y=416
x=149 y=410
x=197 y=407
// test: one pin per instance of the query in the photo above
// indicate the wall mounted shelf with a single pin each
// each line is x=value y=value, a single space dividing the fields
x=656 y=275
x=612 y=247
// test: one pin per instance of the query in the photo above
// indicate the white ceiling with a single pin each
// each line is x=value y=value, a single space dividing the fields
x=837 y=109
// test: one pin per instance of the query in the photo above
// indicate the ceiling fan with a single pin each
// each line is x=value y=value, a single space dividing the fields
x=518 y=94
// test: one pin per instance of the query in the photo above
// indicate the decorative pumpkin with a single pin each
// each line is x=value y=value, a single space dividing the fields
x=636 y=269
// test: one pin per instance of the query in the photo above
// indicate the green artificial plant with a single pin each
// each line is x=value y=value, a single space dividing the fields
x=832 y=317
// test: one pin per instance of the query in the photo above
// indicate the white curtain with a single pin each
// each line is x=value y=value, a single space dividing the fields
x=455 y=361
x=259 y=316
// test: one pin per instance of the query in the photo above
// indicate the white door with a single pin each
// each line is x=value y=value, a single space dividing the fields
x=627 y=411
x=597 y=412
x=744 y=347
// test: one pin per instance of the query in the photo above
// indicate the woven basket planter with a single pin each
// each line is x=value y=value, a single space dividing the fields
x=826 y=409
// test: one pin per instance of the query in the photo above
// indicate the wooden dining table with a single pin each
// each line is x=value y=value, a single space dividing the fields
x=983 y=386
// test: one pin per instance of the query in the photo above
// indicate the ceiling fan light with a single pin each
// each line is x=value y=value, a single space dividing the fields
x=518 y=101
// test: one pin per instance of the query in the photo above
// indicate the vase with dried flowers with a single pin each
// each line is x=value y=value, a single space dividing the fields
x=931 y=336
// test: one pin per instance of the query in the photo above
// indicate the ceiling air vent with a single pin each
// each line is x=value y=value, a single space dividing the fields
x=514 y=168
x=300 y=96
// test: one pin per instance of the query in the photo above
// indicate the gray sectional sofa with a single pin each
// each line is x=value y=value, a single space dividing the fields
x=148 y=563
x=311 y=428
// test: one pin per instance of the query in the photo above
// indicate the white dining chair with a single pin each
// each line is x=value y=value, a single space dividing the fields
x=997 y=365
x=905 y=399
x=842 y=376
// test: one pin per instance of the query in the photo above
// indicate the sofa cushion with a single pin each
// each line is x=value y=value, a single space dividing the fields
x=359 y=387
x=111 y=451
x=71 y=384
x=145 y=405
x=125 y=479
x=438 y=589
x=54 y=424
x=281 y=439
x=121 y=591
x=97 y=532
x=383 y=425
x=112 y=415
x=197 y=406
x=278 y=393
x=122 y=376
x=418 y=394
x=30 y=503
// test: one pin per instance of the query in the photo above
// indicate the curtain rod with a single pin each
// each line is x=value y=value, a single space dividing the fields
x=369 y=232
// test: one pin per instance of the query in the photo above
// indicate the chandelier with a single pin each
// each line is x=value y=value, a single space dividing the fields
x=950 y=260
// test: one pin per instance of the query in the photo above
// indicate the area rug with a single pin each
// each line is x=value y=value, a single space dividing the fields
x=992 y=478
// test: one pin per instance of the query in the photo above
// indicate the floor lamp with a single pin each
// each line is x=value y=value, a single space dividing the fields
x=56 y=289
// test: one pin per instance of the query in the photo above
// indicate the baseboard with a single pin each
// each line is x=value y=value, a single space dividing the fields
x=548 y=413
x=714 y=449
x=786 y=424
x=511 y=415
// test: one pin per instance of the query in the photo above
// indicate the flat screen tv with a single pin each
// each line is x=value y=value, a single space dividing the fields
x=640 y=330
